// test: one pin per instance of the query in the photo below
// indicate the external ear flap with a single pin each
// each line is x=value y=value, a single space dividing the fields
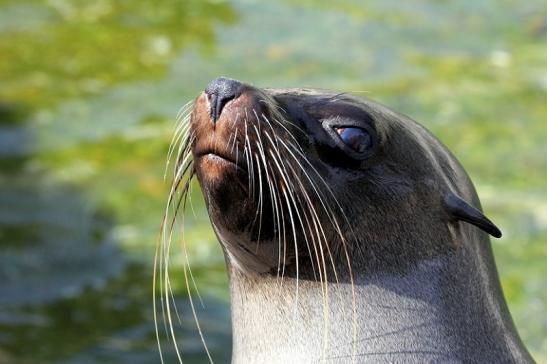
x=461 y=210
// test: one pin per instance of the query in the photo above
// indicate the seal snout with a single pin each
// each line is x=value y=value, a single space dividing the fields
x=225 y=123
x=226 y=131
x=219 y=92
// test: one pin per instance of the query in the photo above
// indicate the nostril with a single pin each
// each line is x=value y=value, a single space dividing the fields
x=217 y=103
x=219 y=92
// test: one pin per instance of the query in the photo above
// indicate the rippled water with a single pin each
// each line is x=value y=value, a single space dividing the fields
x=88 y=96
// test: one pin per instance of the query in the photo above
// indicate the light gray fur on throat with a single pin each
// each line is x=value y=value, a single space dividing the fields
x=440 y=311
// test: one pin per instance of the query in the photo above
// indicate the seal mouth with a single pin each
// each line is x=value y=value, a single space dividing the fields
x=221 y=158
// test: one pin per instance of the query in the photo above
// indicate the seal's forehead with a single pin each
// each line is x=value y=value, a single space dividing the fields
x=301 y=92
x=294 y=91
x=313 y=96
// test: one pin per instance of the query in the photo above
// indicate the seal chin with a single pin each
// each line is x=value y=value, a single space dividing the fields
x=225 y=188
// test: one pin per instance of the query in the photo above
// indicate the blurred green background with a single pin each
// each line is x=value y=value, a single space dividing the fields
x=89 y=91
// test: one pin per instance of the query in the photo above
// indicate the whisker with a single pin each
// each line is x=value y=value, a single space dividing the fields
x=183 y=173
x=332 y=218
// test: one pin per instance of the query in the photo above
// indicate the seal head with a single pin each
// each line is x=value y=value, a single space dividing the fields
x=349 y=231
x=325 y=179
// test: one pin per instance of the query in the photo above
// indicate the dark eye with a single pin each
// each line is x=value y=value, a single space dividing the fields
x=356 y=138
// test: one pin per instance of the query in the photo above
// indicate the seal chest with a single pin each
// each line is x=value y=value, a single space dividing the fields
x=350 y=232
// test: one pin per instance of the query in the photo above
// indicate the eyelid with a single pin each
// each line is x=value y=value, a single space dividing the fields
x=340 y=121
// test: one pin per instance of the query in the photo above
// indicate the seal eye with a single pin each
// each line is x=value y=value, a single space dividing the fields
x=359 y=140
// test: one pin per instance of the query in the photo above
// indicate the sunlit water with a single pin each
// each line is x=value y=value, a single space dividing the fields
x=88 y=96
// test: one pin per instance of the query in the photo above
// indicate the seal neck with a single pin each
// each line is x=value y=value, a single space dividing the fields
x=448 y=308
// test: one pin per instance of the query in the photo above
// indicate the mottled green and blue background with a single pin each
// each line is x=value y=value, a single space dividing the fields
x=89 y=91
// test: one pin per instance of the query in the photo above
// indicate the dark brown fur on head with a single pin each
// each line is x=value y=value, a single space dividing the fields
x=285 y=194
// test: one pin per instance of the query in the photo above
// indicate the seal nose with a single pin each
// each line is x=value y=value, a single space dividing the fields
x=219 y=92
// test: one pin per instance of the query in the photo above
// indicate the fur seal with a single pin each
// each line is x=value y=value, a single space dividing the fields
x=351 y=234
